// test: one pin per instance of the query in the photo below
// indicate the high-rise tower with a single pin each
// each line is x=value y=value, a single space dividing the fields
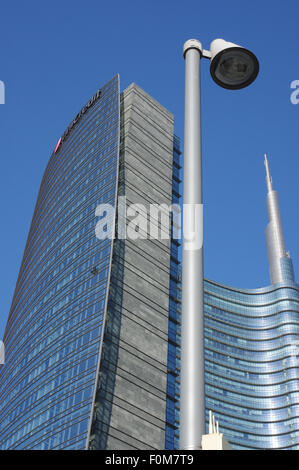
x=91 y=335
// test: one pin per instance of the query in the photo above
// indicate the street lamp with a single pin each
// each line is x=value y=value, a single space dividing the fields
x=232 y=67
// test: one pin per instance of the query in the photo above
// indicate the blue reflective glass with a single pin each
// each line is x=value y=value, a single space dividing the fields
x=252 y=373
x=55 y=327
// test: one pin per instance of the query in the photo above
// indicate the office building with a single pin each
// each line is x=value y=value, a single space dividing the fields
x=89 y=364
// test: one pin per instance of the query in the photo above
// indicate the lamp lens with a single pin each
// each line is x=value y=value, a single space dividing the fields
x=234 y=68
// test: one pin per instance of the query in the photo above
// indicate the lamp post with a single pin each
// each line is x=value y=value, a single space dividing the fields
x=231 y=67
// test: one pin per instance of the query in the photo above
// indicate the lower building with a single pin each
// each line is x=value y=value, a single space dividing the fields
x=251 y=359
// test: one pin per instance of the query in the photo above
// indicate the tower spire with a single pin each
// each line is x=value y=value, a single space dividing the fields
x=268 y=176
x=280 y=264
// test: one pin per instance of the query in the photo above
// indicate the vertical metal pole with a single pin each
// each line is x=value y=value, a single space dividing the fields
x=192 y=401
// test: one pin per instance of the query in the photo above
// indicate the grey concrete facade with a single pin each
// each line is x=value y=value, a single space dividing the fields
x=131 y=395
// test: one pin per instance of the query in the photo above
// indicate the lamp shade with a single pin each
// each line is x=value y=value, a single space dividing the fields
x=232 y=66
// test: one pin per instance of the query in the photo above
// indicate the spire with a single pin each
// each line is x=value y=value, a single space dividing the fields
x=280 y=264
x=268 y=176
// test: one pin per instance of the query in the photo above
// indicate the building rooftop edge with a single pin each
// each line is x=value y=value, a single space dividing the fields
x=259 y=290
x=134 y=86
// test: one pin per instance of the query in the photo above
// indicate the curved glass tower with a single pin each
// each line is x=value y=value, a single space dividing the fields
x=252 y=351
x=252 y=370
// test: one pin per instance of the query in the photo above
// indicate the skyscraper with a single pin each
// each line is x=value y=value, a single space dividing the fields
x=252 y=350
x=90 y=339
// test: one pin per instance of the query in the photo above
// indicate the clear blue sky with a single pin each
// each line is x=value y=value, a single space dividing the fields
x=55 y=54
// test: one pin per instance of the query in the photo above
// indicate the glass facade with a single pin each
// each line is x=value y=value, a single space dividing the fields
x=54 y=331
x=251 y=365
x=252 y=368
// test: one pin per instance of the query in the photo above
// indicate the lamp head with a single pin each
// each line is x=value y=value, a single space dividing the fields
x=232 y=66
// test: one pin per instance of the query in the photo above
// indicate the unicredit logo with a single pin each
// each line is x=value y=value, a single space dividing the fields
x=57 y=145
x=95 y=97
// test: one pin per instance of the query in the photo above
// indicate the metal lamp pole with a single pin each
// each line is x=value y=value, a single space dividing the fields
x=192 y=420
x=232 y=67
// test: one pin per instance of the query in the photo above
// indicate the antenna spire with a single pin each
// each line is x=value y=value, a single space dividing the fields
x=280 y=263
x=268 y=176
